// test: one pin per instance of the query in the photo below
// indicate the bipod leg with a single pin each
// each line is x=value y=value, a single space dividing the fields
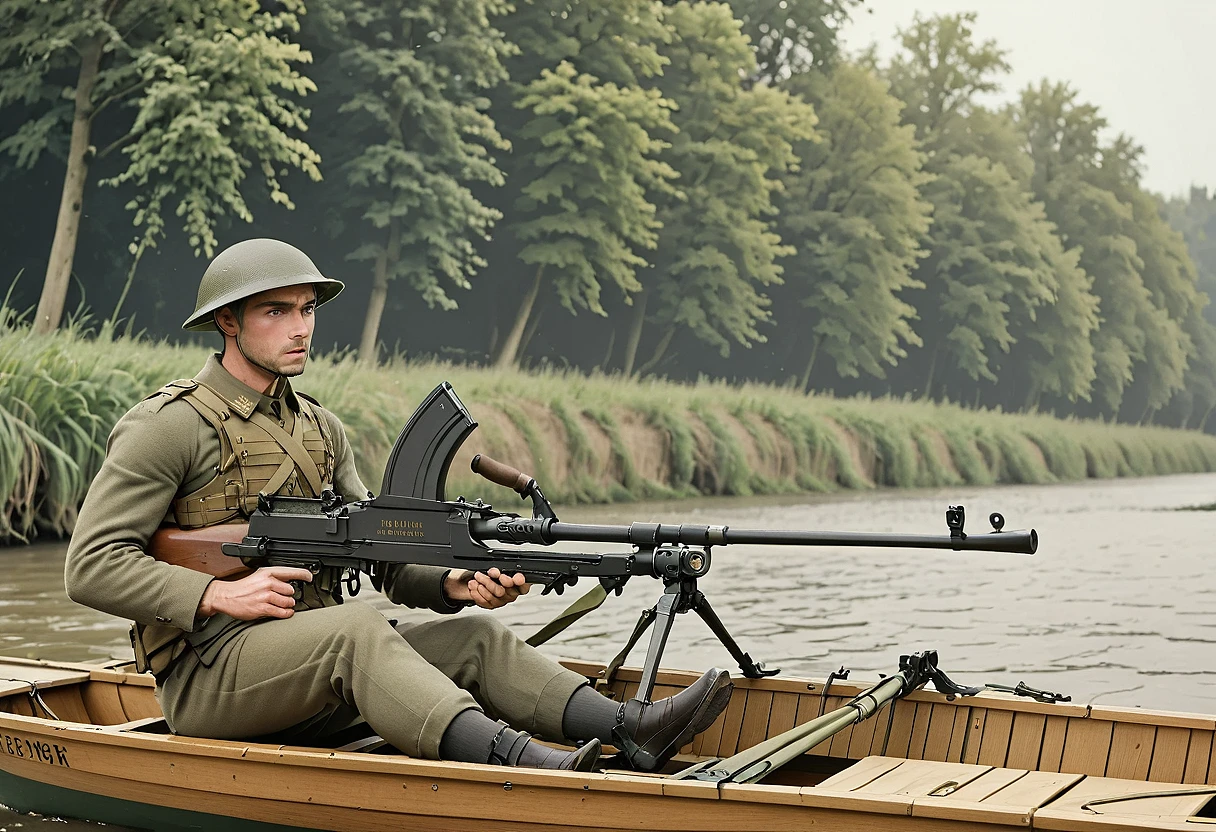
x=751 y=668
x=644 y=622
x=664 y=617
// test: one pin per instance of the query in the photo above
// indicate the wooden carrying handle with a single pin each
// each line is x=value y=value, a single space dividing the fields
x=199 y=549
x=502 y=474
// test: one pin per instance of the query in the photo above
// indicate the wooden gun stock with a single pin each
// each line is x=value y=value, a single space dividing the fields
x=199 y=549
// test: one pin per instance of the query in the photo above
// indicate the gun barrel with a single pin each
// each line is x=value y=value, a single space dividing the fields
x=522 y=530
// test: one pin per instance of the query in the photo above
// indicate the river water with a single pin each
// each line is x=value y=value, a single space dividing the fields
x=1117 y=606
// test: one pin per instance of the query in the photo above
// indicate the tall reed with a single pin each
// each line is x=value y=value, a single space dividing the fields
x=596 y=438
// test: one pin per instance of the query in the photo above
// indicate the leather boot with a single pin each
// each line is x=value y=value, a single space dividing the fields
x=650 y=733
x=515 y=748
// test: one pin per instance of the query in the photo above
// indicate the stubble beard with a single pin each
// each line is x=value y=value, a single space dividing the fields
x=273 y=365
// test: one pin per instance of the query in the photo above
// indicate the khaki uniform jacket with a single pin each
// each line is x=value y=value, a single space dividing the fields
x=162 y=450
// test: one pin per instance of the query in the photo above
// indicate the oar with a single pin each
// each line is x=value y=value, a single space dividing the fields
x=759 y=760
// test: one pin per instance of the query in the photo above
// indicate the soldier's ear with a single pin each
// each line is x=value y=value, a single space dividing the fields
x=226 y=321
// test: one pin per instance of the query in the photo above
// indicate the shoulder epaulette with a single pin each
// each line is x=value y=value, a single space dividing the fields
x=173 y=390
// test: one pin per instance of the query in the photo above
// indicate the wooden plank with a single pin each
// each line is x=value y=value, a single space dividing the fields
x=881 y=722
x=1197 y=754
x=729 y=743
x=986 y=785
x=1131 y=751
x=1026 y=741
x=138 y=702
x=1055 y=732
x=1037 y=788
x=21 y=706
x=941 y=728
x=1147 y=716
x=1157 y=813
x=754 y=728
x=917 y=778
x=902 y=716
x=958 y=734
x=862 y=738
x=66 y=703
x=920 y=731
x=860 y=773
x=1087 y=747
x=102 y=702
x=1169 y=755
x=785 y=711
x=994 y=746
x=975 y=734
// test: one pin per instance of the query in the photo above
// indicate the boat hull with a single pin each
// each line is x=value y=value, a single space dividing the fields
x=928 y=764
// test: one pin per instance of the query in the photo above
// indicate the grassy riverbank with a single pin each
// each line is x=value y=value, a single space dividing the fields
x=586 y=439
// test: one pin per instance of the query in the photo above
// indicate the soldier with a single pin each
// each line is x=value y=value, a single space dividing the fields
x=243 y=658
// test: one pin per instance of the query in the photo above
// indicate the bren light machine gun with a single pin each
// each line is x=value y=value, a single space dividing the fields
x=411 y=522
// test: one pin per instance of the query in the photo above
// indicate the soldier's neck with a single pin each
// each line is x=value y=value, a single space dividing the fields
x=249 y=374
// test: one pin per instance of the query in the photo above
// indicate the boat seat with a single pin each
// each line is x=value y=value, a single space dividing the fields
x=949 y=791
x=1110 y=801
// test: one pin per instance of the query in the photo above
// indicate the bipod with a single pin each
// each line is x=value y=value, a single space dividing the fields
x=748 y=766
x=680 y=595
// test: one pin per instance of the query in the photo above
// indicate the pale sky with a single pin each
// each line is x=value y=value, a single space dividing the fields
x=1149 y=66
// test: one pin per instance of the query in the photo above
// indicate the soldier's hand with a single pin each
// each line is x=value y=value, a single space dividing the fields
x=488 y=590
x=264 y=594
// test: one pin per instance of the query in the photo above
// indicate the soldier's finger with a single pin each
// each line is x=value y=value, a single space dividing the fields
x=287 y=573
x=277 y=612
x=281 y=588
x=518 y=579
x=277 y=600
x=494 y=572
x=481 y=598
x=490 y=585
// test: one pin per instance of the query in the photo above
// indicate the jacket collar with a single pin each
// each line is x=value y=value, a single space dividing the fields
x=239 y=396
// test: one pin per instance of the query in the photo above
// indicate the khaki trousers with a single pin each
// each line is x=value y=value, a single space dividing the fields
x=303 y=677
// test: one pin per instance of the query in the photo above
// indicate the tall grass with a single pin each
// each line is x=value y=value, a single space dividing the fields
x=61 y=394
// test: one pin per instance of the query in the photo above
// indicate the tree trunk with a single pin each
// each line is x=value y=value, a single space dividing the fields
x=810 y=364
x=510 y=345
x=659 y=351
x=635 y=333
x=1203 y=423
x=608 y=352
x=126 y=287
x=368 y=349
x=932 y=367
x=67 y=224
x=527 y=339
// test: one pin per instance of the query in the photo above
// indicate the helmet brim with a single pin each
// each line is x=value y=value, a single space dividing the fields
x=203 y=320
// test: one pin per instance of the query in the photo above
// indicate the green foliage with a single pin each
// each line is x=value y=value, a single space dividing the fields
x=792 y=36
x=716 y=250
x=1141 y=273
x=590 y=159
x=854 y=209
x=60 y=395
x=404 y=125
x=200 y=94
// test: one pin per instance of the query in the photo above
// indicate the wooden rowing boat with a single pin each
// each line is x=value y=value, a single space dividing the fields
x=87 y=741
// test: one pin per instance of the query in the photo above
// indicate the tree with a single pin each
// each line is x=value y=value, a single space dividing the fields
x=716 y=250
x=1141 y=272
x=197 y=93
x=1195 y=218
x=855 y=214
x=404 y=97
x=993 y=262
x=583 y=209
x=585 y=137
x=791 y=37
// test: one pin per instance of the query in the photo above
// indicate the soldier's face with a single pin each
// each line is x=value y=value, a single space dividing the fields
x=274 y=331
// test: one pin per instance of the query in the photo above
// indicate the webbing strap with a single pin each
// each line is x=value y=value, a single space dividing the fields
x=588 y=602
x=294 y=447
x=644 y=621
